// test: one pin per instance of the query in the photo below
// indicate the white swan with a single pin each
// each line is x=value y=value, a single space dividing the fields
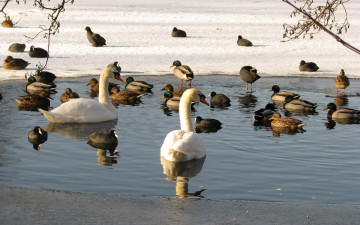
x=183 y=145
x=81 y=110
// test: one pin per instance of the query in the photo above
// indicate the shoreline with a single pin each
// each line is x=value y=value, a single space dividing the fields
x=37 y=206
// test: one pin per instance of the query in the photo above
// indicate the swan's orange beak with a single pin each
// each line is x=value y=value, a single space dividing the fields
x=117 y=77
x=202 y=99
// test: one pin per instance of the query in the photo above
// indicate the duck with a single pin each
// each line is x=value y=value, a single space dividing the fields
x=206 y=125
x=286 y=122
x=184 y=144
x=67 y=95
x=94 y=86
x=183 y=72
x=7 y=22
x=16 y=47
x=38 y=52
x=11 y=63
x=281 y=95
x=342 y=81
x=124 y=97
x=137 y=86
x=178 y=33
x=33 y=86
x=106 y=140
x=172 y=102
x=219 y=100
x=95 y=39
x=32 y=102
x=292 y=104
x=177 y=92
x=44 y=76
x=249 y=75
x=264 y=114
x=308 y=66
x=81 y=110
x=243 y=42
x=342 y=114
x=37 y=136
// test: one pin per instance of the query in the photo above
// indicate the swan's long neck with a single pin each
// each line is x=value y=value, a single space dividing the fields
x=185 y=113
x=104 y=97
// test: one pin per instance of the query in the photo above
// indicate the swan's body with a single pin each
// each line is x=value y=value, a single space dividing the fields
x=185 y=144
x=81 y=110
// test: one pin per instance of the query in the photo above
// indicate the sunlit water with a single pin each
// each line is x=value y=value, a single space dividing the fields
x=242 y=162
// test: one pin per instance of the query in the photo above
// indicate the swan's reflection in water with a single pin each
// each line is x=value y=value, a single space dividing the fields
x=78 y=131
x=180 y=172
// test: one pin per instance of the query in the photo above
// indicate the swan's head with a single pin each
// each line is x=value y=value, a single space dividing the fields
x=195 y=95
x=113 y=71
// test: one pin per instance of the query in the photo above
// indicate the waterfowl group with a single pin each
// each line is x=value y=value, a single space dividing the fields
x=249 y=75
x=96 y=40
x=11 y=63
x=308 y=66
x=178 y=33
x=38 y=52
x=94 y=86
x=16 y=47
x=342 y=81
x=183 y=72
x=243 y=42
x=176 y=92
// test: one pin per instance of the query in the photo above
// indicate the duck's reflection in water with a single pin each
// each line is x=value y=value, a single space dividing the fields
x=103 y=149
x=341 y=100
x=248 y=101
x=180 y=172
x=78 y=131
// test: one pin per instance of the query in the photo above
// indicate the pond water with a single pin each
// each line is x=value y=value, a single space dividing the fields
x=243 y=161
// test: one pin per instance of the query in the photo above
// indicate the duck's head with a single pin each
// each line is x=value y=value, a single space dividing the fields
x=330 y=106
x=114 y=90
x=30 y=80
x=289 y=99
x=32 y=48
x=342 y=72
x=176 y=63
x=302 y=62
x=68 y=91
x=275 y=116
x=128 y=80
x=37 y=130
x=93 y=81
x=9 y=58
x=275 y=88
x=212 y=94
x=168 y=87
x=175 y=29
x=270 y=106
x=198 y=119
x=195 y=95
x=88 y=29
x=113 y=71
x=239 y=37
x=113 y=134
x=167 y=95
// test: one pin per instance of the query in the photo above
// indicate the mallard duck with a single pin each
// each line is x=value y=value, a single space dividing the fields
x=172 y=102
x=137 y=86
x=263 y=115
x=243 y=42
x=7 y=22
x=219 y=100
x=95 y=39
x=11 y=63
x=177 y=92
x=249 y=75
x=124 y=97
x=183 y=72
x=206 y=125
x=33 y=86
x=94 y=86
x=37 y=136
x=67 y=95
x=44 y=77
x=38 y=52
x=308 y=66
x=285 y=122
x=342 y=81
x=32 y=102
x=342 y=114
x=178 y=33
x=17 y=47
x=281 y=95
x=292 y=104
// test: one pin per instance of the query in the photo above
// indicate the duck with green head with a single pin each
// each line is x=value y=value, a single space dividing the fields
x=342 y=114
x=137 y=86
x=281 y=95
x=292 y=104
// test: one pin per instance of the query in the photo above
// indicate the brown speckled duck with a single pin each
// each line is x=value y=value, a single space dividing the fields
x=32 y=102
x=285 y=122
x=124 y=97
x=94 y=86
x=7 y=23
x=342 y=81
x=11 y=63
x=67 y=95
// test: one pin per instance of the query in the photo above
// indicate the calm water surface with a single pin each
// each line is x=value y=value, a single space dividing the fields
x=243 y=161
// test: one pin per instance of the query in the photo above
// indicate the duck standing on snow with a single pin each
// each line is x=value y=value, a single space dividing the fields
x=137 y=86
x=67 y=95
x=95 y=39
x=281 y=95
x=178 y=33
x=7 y=23
x=183 y=72
x=37 y=136
x=184 y=144
x=308 y=66
x=243 y=42
x=81 y=110
x=11 y=63
x=249 y=75
x=16 y=47
x=38 y=52
x=342 y=81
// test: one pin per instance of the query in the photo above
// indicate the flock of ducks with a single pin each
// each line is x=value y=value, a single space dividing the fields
x=179 y=145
